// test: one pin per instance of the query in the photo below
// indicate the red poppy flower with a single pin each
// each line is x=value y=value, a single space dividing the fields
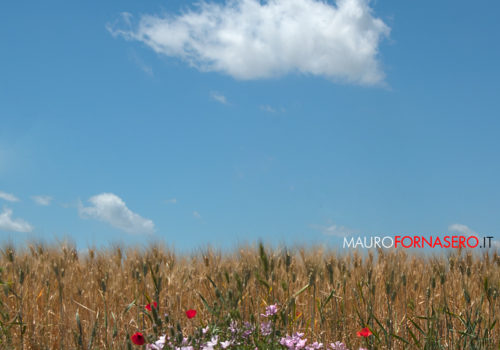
x=137 y=338
x=191 y=313
x=365 y=332
x=155 y=305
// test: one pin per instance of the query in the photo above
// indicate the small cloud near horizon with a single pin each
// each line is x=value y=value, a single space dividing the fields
x=7 y=223
x=461 y=229
x=334 y=230
x=109 y=208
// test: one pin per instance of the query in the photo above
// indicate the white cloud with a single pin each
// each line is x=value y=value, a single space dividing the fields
x=467 y=231
x=196 y=215
x=110 y=208
x=8 y=197
x=42 y=200
x=7 y=223
x=267 y=108
x=219 y=97
x=172 y=200
x=461 y=229
x=270 y=109
x=254 y=39
x=141 y=64
x=334 y=230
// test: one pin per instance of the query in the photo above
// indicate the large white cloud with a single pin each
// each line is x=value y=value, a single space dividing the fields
x=7 y=223
x=110 y=208
x=252 y=39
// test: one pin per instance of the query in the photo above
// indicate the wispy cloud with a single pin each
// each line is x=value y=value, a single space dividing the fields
x=216 y=96
x=171 y=200
x=270 y=109
x=7 y=223
x=196 y=215
x=253 y=39
x=110 y=208
x=334 y=230
x=42 y=200
x=146 y=68
x=8 y=197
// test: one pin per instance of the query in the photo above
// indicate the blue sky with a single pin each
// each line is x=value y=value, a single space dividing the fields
x=145 y=120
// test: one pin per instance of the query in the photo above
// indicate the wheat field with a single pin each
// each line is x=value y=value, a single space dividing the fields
x=55 y=297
